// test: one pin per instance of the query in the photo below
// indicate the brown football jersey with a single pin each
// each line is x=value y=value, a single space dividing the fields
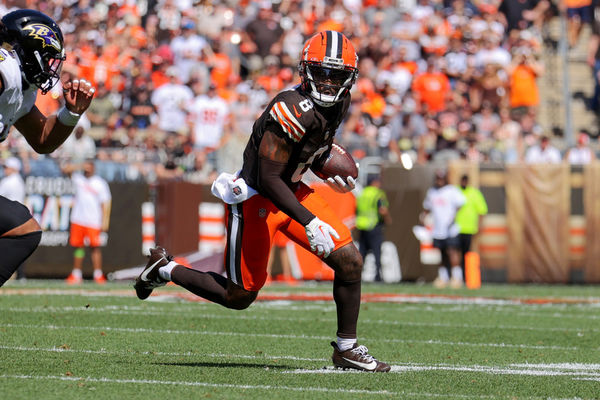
x=308 y=127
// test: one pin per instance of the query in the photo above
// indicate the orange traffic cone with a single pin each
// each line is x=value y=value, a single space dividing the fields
x=472 y=270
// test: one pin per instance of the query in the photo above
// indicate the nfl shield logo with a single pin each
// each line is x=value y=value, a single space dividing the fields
x=262 y=212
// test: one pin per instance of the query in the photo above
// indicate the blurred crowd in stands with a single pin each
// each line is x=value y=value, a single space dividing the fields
x=180 y=82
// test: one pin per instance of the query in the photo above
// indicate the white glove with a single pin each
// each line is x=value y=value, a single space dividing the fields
x=319 y=236
x=338 y=184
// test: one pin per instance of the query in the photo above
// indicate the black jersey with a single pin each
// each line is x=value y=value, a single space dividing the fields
x=308 y=127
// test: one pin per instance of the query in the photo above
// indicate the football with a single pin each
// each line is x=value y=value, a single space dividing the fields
x=339 y=162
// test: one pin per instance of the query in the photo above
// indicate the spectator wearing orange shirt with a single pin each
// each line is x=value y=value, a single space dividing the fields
x=432 y=88
x=221 y=66
x=271 y=81
x=523 y=72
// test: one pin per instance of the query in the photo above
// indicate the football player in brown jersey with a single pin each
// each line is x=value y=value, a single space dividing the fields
x=294 y=132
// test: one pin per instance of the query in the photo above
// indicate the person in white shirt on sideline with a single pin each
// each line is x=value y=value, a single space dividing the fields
x=90 y=217
x=543 y=153
x=442 y=201
x=582 y=153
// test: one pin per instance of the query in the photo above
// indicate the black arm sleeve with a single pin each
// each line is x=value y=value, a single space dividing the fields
x=269 y=176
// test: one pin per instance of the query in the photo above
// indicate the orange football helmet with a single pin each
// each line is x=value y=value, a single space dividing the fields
x=328 y=67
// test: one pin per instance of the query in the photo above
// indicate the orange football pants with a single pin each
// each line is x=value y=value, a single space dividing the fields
x=252 y=224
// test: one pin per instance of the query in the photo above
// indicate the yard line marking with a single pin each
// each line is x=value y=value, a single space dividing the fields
x=567 y=366
x=159 y=353
x=237 y=386
x=403 y=394
x=320 y=295
x=558 y=369
x=202 y=384
x=577 y=369
x=139 y=311
x=285 y=336
x=459 y=368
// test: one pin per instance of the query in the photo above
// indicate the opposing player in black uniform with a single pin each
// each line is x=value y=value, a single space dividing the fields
x=31 y=56
x=294 y=133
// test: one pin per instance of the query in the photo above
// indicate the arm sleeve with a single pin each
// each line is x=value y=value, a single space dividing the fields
x=269 y=175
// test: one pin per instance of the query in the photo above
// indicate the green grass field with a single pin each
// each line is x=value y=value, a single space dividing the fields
x=101 y=342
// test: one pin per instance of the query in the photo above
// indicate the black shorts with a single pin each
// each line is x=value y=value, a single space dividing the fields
x=12 y=214
x=443 y=244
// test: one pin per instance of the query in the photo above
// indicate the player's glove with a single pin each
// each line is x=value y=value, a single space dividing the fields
x=319 y=236
x=338 y=184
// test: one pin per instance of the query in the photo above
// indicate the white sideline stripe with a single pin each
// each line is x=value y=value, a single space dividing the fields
x=159 y=353
x=115 y=310
x=284 y=336
x=458 y=368
x=577 y=369
x=202 y=384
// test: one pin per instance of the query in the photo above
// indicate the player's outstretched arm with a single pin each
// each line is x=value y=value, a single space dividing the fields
x=46 y=134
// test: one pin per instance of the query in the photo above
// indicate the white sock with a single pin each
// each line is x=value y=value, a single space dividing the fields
x=77 y=273
x=165 y=271
x=443 y=274
x=97 y=273
x=457 y=273
x=345 y=344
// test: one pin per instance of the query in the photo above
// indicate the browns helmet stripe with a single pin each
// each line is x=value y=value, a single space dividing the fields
x=335 y=43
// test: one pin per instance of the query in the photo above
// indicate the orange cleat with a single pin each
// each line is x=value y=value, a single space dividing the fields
x=100 y=280
x=73 y=280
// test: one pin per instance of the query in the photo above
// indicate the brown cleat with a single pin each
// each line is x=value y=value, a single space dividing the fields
x=149 y=278
x=357 y=357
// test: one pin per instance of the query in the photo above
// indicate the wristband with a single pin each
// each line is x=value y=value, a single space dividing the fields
x=67 y=117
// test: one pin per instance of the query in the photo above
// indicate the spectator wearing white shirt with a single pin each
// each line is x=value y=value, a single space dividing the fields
x=581 y=154
x=187 y=50
x=171 y=101
x=209 y=118
x=442 y=201
x=543 y=153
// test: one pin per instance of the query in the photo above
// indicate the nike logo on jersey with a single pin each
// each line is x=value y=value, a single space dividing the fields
x=368 y=366
x=144 y=275
x=298 y=115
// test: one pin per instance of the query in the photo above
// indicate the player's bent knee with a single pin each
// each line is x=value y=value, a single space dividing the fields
x=239 y=298
x=346 y=262
x=241 y=301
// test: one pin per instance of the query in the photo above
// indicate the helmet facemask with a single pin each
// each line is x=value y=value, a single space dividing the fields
x=326 y=84
x=41 y=70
